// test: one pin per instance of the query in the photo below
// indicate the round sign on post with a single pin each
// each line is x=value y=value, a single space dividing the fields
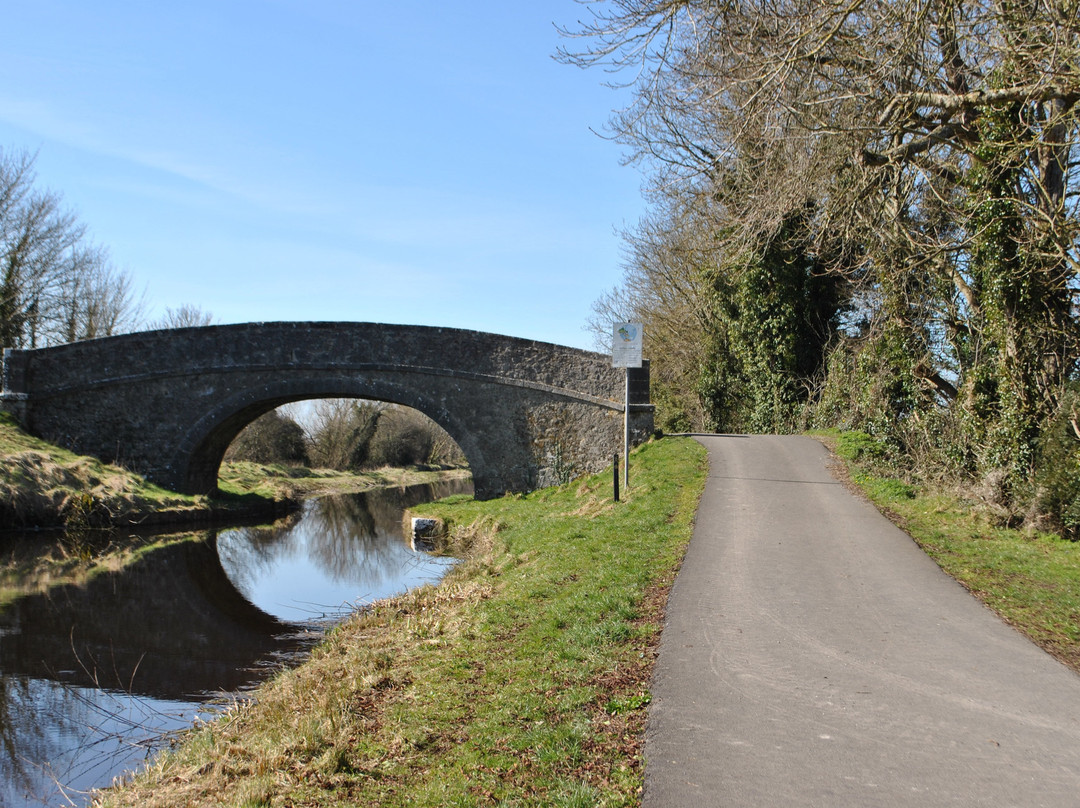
x=626 y=353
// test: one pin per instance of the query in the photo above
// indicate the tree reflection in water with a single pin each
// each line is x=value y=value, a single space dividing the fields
x=59 y=740
x=341 y=552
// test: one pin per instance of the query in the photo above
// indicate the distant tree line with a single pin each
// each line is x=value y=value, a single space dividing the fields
x=347 y=435
x=863 y=215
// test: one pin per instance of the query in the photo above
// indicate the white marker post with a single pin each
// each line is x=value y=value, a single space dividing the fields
x=626 y=353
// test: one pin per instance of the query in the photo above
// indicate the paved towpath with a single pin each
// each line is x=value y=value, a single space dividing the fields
x=814 y=656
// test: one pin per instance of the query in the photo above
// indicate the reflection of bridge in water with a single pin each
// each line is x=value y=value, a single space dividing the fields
x=164 y=633
x=169 y=626
x=340 y=552
x=168 y=403
x=92 y=673
x=174 y=624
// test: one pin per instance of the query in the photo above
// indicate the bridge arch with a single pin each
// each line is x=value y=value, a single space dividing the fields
x=168 y=403
x=200 y=450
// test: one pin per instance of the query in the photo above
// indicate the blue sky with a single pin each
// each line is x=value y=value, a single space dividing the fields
x=408 y=162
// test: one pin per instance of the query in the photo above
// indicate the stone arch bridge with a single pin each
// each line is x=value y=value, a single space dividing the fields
x=168 y=403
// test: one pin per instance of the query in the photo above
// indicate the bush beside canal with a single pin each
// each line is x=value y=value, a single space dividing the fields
x=521 y=679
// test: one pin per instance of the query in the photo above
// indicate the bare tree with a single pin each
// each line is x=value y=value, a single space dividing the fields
x=94 y=300
x=273 y=437
x=671 y=257
x=341 y=431
x=109 y=304
x=183 y=317
x=35 y=237
x=407 y=437
x=54 y=285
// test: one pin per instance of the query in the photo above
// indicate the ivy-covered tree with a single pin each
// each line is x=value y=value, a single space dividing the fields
x=785 y=311
x=929 y=152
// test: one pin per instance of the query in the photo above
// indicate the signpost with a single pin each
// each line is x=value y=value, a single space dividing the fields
x=626 y=353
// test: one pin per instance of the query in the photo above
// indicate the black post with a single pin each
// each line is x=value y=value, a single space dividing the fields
x=616 y=468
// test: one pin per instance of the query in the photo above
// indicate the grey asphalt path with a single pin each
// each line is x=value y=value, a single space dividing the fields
x=814 y=656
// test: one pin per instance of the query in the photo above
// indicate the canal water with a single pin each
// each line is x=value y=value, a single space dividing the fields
x=111 y=645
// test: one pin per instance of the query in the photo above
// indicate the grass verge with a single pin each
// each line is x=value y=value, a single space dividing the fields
x=1030 y=578
x=520 y=680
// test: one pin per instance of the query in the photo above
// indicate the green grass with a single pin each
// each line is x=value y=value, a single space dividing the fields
x=43 y=485
x=521 y=680
x=1030 y=578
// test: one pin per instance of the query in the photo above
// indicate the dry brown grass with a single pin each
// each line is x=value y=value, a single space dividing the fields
x=39 y=488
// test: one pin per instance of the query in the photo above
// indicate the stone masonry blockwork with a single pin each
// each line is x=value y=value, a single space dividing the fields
x=168 y=403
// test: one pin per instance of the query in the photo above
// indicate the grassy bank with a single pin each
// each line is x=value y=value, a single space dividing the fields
x=42 y=485
x=1030 y=578
x=520 y=680
x=276 y=482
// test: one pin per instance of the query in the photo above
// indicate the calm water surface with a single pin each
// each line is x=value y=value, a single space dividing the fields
x=95 y=674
